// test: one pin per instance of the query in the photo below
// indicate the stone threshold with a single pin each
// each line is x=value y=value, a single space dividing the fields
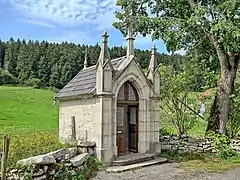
x=132 y=158
x=117 y=169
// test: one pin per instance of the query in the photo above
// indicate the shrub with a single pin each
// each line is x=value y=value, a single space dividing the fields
x=53 y=89
x=166 y=131
x=91 y=166
x=221 y=143
x=34 y=82
x=175 y=100
x=6 y=77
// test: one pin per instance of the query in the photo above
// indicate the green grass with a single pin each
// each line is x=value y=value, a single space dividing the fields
x=211 y=164
x=24 y=109
x=202 y=162
x=31 y=120
x=30 y=144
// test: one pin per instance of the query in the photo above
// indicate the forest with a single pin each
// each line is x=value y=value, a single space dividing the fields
x=47 y=64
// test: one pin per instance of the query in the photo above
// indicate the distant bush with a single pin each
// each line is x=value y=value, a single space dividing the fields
x=34 y=82
x=6 y=77
x=53 y=89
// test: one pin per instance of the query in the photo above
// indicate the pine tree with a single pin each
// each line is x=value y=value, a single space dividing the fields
x=56 y=64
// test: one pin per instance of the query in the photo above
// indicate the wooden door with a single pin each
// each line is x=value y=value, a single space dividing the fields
x=121 y=129
x=133 y=128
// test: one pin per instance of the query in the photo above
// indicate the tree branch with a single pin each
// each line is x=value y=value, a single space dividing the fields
x=190 y=108
x=221 y=54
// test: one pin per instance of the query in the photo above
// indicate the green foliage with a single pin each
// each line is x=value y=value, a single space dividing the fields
x=34 y=82
x=63 y=173
x=208 y=30
x=205 y=70
x=221 y=143
x=91 y=166
x=175 y=101
x=6 y=77
x=28 y=172
x=24 y=109
x=166 y=131
x=184 y=24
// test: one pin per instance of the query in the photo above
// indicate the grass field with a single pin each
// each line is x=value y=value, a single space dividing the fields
x=24 y=109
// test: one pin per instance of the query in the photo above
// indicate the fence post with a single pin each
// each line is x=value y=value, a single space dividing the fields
x=73 y=125
x=6 y=142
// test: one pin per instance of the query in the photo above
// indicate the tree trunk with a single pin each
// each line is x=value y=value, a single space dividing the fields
x=219 y=113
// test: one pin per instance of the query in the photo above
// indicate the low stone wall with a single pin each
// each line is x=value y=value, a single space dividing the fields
x=189 y=144
x=48 y=166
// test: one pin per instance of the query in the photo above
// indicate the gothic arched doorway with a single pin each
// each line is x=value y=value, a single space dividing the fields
x=127 y=119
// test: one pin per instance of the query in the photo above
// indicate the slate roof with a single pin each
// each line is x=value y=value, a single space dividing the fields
x=85 y=81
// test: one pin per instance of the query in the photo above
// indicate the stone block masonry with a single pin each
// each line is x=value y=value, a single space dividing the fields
x=188 y=144
x=48 y=166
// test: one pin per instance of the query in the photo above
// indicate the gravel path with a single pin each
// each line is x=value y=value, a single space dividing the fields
x=170 y=171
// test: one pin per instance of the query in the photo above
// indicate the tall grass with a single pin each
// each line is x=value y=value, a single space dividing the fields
x=32 y=144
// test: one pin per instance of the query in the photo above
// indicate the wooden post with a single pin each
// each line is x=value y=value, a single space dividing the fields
x=6 y=142
x=73 y=124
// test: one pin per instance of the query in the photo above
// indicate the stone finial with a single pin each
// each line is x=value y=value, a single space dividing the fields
x=130 y=38
x=85 y=58
x=153 y=64
x=105 y=37
x=104 y=54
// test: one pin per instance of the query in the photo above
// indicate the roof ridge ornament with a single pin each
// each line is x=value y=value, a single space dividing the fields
x=85 y=58
x=153 y=61
x=130 y=36
x=153 y=64
x=104 y=53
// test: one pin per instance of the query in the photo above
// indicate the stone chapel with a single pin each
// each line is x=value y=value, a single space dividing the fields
x=113 y=103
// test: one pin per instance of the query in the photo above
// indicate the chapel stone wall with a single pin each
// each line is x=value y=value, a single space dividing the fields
x=83 y=111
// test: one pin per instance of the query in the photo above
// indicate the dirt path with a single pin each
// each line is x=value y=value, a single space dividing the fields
x=170 y=171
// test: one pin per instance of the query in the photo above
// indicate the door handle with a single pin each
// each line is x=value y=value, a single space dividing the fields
x=119 y=132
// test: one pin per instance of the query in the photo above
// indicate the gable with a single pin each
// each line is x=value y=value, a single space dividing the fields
x=131 y=66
